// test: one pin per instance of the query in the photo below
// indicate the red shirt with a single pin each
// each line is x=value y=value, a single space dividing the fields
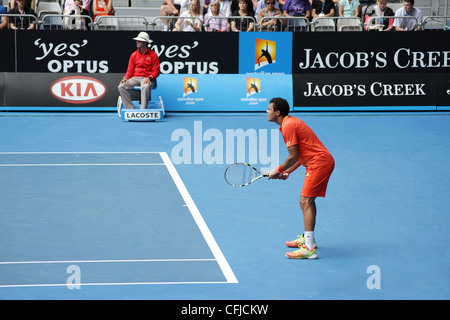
x=143 y=65
x=310 y=149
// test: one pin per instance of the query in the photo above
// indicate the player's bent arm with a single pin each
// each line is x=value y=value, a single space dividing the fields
x=291 y=163
x=293 y=168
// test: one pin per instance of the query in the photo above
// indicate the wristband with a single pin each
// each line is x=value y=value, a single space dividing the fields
x=279 y=170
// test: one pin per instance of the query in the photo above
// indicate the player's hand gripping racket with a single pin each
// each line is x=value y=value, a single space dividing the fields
x=242 y=174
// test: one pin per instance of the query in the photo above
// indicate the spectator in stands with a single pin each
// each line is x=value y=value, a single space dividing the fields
x=143 y=69
x=28 y=3
x=349 y=8
x=78 y=8
x=408 y=24
x=190 y=25
x=262 y=4
x=322 y=8
x=243 y=24
x=169 y=8
x=102 y=8
x=186 y=3
x=269 y=11
x=22 y=22
x=224 y=7
x=215 y=24
x=298 y=9
x=70 y=4
x=377 y=13
x=206 y=7
x=364 y=5
x=3 y=20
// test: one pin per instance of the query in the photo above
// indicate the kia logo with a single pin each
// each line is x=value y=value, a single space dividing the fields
x=78 y=89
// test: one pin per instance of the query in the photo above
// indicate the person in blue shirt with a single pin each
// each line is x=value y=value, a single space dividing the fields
x=3 y=20
x=349 y=8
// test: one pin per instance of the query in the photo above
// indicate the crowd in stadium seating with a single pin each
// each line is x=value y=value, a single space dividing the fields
x=235 y=15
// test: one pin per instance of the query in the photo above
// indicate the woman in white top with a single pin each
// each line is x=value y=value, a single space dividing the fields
x=185 y=24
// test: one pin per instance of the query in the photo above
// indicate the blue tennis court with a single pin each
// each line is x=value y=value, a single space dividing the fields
x=97 y=208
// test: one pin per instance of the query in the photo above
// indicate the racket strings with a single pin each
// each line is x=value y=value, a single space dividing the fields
x=240 y=174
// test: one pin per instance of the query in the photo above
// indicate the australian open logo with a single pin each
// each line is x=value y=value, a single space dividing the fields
x=189 y=86
x=190 y=89
x=253 y=92
x=253 y=86
x=265 y=53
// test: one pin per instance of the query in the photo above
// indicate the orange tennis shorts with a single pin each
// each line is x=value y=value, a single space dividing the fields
x=316 y=179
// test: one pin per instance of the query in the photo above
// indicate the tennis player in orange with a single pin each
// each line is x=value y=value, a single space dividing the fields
x=307 y=150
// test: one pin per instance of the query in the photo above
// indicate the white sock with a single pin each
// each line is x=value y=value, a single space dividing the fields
x=165 y=27
x=309 y=239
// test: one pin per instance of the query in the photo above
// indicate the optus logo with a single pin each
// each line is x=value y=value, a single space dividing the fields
x=78 y=89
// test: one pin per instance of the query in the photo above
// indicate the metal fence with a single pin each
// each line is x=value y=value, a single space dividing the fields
x=279 y=24
x=171 y=21
x=20 y=21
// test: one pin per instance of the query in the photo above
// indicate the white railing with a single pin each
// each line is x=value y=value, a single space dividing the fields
x=20 y=20
x=158 y=22
x=122 y=22
x=405 y=20
x=295 y=24
x=271 y=24
x=65 y=22
x=436 y=22
x=141 y=23
x=219 y=23
x=323 y=24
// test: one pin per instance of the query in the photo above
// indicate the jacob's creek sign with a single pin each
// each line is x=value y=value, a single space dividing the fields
x=371 y=52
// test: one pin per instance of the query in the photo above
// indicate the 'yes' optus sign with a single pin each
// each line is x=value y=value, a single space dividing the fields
x=78 y=89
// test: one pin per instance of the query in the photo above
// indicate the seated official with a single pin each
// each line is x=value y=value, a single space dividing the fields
x=143 y=69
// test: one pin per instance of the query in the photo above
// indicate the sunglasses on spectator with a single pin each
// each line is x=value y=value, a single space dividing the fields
x=270 y=2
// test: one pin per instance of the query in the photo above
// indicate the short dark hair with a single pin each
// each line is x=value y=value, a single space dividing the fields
x=410 y=1
x=281 y=105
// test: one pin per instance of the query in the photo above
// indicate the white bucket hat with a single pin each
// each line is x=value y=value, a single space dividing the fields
x=143 y=36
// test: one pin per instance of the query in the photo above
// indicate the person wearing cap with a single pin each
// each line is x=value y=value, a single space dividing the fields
x=143 y=69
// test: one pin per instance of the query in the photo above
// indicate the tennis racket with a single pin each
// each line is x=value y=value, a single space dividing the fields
x=242 y=174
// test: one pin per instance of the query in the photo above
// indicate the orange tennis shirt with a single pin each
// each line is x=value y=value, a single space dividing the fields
x=312 y=154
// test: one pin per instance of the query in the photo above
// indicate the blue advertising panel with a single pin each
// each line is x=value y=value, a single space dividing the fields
x=222 y=92
x=265 y=52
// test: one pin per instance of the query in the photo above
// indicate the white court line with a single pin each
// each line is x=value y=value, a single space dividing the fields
x=226 y=269
x=219 y=257
x=107 y=284
x=101 y=261
x=81 y=152
x=78 y=164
